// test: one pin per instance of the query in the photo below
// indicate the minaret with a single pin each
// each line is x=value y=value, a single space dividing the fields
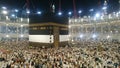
x=105 y=7
x=53 y=8
x=105 y=3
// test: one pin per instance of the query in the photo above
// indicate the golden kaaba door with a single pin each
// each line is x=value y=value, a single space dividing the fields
x=56 y=36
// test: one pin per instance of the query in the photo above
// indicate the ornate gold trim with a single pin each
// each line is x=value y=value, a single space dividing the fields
x=49 y=24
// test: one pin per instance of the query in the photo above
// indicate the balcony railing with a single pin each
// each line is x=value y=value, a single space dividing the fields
x=101 y=19
x=14 y=20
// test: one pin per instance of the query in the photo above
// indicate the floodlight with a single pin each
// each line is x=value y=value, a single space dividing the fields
x=60 y=13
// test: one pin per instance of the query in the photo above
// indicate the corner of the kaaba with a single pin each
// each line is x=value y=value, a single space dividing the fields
x=48 y=29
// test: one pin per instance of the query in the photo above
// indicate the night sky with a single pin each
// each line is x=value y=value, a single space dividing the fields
x=66 y=5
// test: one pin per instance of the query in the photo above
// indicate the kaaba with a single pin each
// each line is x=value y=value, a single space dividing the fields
x=48 y=28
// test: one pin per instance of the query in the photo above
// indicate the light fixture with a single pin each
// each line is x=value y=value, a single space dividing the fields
x=91 y=10
x=111 y=31
x=72 y=40
x=97 y=15
x=81 y=36
x=69 y=35
x=28 y=12
x=21 y=19
x=75 y=20
x=13 y=15
x=4 y=8
x=94 y=36
x=21 y=25
x=21 y=36
x=70 y=20
x=5 y=12
x=116 y=31
x=104 y=8
x=69 y=26
x=108 y=36
x=69 y=13
x=16 y=10
x=59 y=13
x=38 y=12
x=7 y=36
x=79 y=11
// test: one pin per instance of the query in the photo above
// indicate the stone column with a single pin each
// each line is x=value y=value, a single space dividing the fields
x=17 y=35
x=101 y=32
